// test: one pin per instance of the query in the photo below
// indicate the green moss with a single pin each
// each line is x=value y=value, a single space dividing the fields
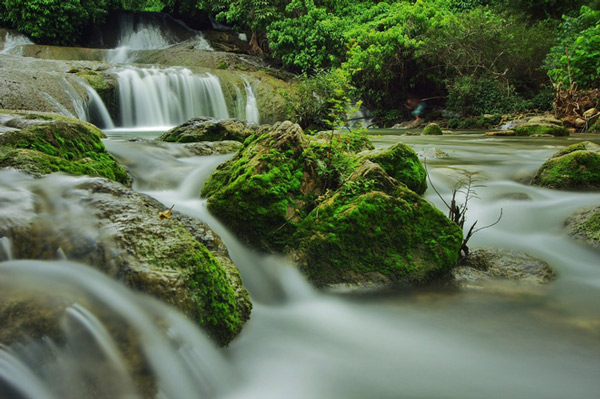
x=402 y=163
x=60 y=145
x=538 y=129
x=410 y=242
x=95 y=79
x=432 y=129
x=576 y=170
x=591 y=227
x=222 y=65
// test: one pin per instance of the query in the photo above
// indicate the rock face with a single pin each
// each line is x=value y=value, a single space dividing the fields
x=209 y=129
x=344 y=218
x=43 y=143
x=432 y=129
x=542 y=125
x=585 y=225
x=484 y=265
x=120 y=232
x=576 y=167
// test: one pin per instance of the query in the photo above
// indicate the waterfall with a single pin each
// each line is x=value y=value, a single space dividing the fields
x=167 y=97
x=252 y=114
x=13 y=43
x=97 y=112
x=144 y=33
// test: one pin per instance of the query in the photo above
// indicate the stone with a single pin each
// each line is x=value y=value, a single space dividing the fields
x=584 y=225
x=576 y=167
x=579 y=123
x=433 y=129
x=118 y=231
x=209 y=129
x=43 y=143
x=590 y=113
x=501 y=133
x=487 y=265
x=540 y=125
x=347 y=219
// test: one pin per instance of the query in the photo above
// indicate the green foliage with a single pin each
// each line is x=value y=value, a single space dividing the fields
x=54 y=21
x=320 y=101
x=576 y=58
x=476 y=96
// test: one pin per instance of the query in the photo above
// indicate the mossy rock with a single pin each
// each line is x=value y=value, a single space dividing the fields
x=585 y=225
x=375 y=231
x=329 y=208
x=209 y=129
x=46 y=143
x=574 y=168
x=539 y=126
x=402 y=163
x=347 y=142
x=258 y=192
x=432 y=129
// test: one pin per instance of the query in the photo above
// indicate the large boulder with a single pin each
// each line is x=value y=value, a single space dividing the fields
x=576 y=167
x=585 y=225
x=433 y=129
x=121 y=233
x=209 y=129
x=43 y=143
x=344 y=218
x=542 y=125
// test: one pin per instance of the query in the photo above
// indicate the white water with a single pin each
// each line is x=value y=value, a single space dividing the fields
x=507 y=341
x=13 y=43
x=252 y=114
x=97 y=112
x=167 y=97
x=145 y=34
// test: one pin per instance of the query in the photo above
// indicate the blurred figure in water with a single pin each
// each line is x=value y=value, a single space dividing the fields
x=416 y=106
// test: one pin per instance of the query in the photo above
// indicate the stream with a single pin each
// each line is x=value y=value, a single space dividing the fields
x=507 y=340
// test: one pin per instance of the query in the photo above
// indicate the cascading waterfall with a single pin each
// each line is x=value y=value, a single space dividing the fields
x=167 y=97
x=147 y=34
x=13 y=43
x=252 y=114
x=97 y=112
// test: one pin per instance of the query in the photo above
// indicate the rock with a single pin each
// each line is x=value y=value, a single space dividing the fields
x=585 y=225
x=209 y=129
x=402 y=163
x=119 y=232
x=213 y=147
x=43 y=143
x=432 y=129
x=486 y=265
x=501 y=133
x=435 y=153
x=344 y=141
x=408 y=124
x=342 y=223
x=374 y=231
x=576 y=167
x=542 y=125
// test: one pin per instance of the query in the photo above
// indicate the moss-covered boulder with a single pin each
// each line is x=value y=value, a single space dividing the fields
x=347 y=142
x=542 y=126
x=576 y=167
x=402 y=163
x=121 y=233
x=376 y=231
x=43 y=143
x=432 y=129
x=209 y=129
x=343 y=217
x=585 y=225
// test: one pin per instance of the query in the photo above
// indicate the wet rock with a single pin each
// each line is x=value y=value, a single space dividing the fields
x=120 y=232
x=501 y=133
x=344 y=141
x=213 y=147
x=585 y=225
x=209 y=129
x=483 y=266
x=432 y=129
x=576 y=167
x=43 y=143
x=542 y=125
x=345 y=219
x=435 y=153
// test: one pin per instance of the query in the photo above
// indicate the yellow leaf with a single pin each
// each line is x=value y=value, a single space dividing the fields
x=166 y=214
